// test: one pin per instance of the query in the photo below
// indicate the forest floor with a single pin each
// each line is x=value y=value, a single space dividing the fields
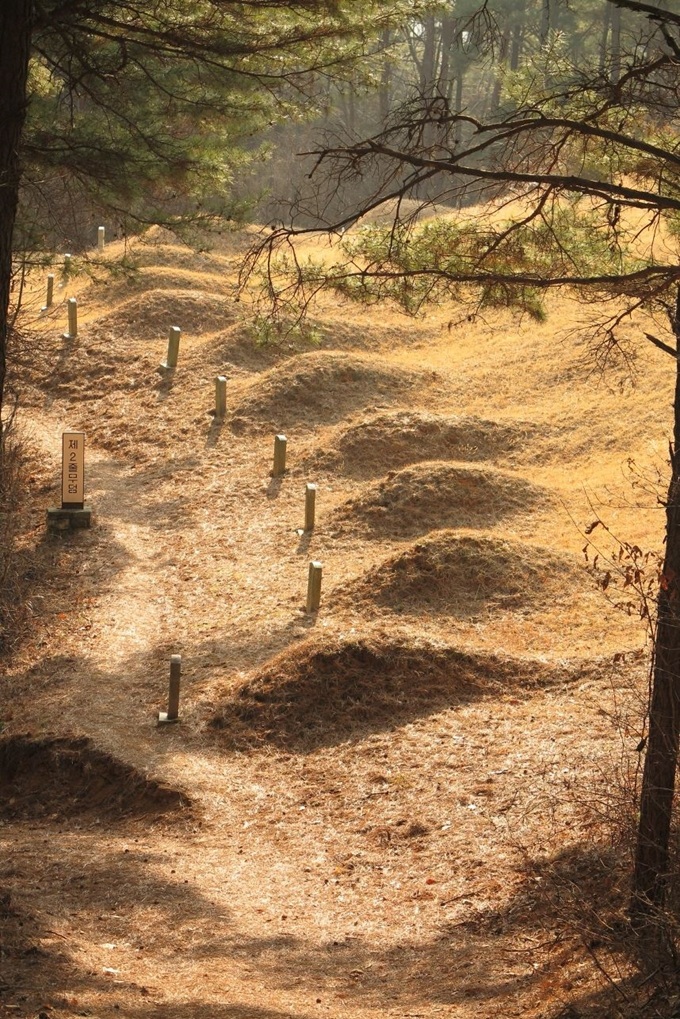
x=414 y=802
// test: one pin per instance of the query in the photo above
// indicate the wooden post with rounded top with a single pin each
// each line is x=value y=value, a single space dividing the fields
x=173 y=348
x=220 y=397
x=314 y=587
x=72 y=306
x=280 y=443
x=310 y=507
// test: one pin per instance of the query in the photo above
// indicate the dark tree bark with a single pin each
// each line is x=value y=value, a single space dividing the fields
x=650 y=877
x=15 y=42
x=428 y=71
x=384 y=97
x=549 y=19
x=517 y=39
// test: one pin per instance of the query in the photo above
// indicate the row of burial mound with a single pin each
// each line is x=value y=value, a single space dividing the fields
x=461 y=574
x=414 y=500
x=66 y=777
x=362 y=448
x=419 y=475
x=325 y=691
x=146 y=315
x=322 y=387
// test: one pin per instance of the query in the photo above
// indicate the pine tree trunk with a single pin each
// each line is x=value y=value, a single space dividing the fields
x=604 y=38
x=517 y=38
x=15 y=42
x=428 y=70
x=384 y=97
x=652 y=859
x=616 y=45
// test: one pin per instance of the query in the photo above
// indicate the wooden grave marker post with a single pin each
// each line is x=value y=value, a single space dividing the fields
x=314 y=587
x=101 y=238
x=173 y=349
x=72 y=306
x=49 y=295
x=280 y=443
x=220 y=397
x=172 y=714
x=310 y=506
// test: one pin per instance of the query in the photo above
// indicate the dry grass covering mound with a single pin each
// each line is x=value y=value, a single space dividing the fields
x=392 y=440
x=321 y=387
x=151 y=313
x=328 y=691
x=463 y=574
x=433 y=495
x=66 y=777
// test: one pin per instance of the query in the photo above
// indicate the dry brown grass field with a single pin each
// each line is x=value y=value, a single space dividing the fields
x=413 y=803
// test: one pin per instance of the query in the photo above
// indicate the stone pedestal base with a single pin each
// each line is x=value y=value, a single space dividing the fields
x=60 y=519
x=164 y=720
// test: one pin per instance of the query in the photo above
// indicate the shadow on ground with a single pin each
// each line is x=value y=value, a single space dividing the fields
x=501 y=962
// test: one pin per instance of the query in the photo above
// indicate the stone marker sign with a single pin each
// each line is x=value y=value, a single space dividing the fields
x=73 y=470
x=73 y=512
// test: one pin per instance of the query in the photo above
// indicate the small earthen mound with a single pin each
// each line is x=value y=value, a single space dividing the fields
x=460 y=575
x=435 y=495
x=321 y=387
x=150 y=314
x=66 y=777
x=322 y=693
x=393 y=440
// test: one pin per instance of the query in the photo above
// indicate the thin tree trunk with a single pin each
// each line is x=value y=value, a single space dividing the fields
x=448 y=26
x=458 y=102
x=550 y=17
x=15 y=43
x=604 y=38
x=428 y=69
x=384 y=98
x=616 y=45
x=517 y=40
x=650 y=876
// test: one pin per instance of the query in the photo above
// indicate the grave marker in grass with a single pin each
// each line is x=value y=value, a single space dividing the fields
x=172 y=714
x=310 y=507
x=220 y=397
x=73 y=512
x=314 y=587
x=72 y=306
x=280 y=444
x=49 y=295
x=173 y=349
x=101 y=238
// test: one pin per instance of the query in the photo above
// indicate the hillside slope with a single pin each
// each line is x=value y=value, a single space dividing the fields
x=394 y=804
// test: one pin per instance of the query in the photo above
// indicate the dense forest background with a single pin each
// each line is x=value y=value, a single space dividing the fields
x=98 y=143
x=481 y=60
